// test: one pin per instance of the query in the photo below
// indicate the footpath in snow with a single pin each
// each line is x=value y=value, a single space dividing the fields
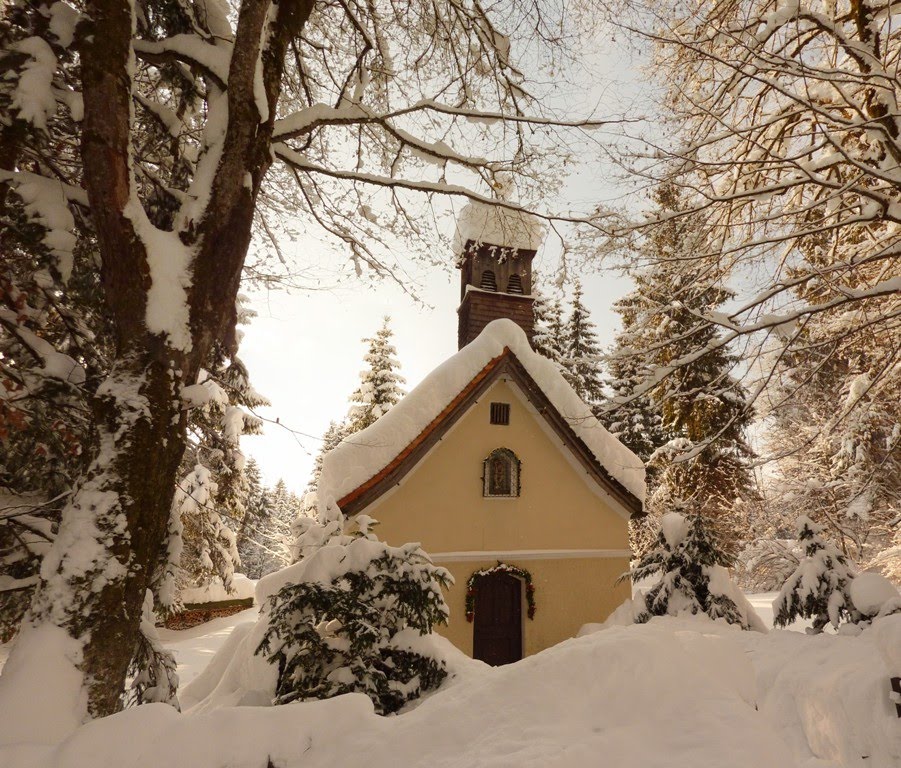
x=677 y=692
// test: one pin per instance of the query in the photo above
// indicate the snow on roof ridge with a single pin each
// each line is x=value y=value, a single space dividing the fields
x=366 y=453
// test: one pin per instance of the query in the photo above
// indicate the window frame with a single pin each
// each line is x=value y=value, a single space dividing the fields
x=514 y=467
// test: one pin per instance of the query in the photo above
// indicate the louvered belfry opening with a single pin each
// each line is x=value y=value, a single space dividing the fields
x=489 y=283
x=495 y=282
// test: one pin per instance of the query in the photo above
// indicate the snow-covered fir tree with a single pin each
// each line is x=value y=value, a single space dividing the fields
x=212 y=494
x=548 y=339
x=689 y=566
x=703 y=408
x=332 y=438
x=631 y=415
x=582 y=352
x=356 y=633
x=268 y=537
x=379 y=387
x=209 y=544
x=819 y=589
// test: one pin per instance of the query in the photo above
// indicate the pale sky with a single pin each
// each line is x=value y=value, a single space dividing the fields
x=304 y=350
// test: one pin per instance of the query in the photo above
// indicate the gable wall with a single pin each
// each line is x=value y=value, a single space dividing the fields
x=440 y=503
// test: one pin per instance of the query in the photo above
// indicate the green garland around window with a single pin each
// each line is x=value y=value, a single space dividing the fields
x=520 y=573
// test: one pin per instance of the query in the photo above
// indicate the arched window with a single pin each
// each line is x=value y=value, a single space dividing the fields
x=500 y=473
x=514 y=284
x=489 y=282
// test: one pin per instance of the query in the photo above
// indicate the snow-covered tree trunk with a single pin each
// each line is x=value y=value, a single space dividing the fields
x=171 y=296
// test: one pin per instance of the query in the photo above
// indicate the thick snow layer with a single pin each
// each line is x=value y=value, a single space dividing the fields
x=494 y=225
x=676 y=692
x=363 y=455
x=871 y=591
x=660 y=695
x=47 y=709
x=241 y=589
x=194 y=648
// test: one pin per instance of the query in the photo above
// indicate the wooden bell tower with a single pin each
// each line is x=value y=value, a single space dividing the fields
x=496 y=282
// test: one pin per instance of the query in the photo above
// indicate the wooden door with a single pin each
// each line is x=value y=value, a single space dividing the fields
x=497 y=631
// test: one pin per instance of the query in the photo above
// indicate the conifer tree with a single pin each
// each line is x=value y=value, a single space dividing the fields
x=332 y=438
x=702 y=407
x=819 y=589
x=356 y=633
x=379 y=387
x=631 y=417
x=582 y=353
x=690 y=565
x=267 y=538
x=548 y=339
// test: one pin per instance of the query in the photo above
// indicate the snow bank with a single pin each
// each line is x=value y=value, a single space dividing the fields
x=366 y=453
x=827 y=695
x=42 y=694
x=215 y=591
x=654 y=696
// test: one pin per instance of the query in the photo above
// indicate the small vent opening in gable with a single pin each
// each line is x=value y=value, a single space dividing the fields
x=489 y=283
x=500 y=413
x=514 y=284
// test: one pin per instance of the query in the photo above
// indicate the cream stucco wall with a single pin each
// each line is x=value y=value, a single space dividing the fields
x=440 y=504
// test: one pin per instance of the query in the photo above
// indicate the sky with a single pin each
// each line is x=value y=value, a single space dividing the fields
x=304 y=350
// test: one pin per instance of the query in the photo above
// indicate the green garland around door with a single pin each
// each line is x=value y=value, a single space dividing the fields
x=520 y=573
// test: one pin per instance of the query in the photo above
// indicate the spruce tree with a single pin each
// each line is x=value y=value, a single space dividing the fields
x=548 y=339
x=360 y=631
x=379 y=387
x=690 y=565
x=631 y=414
x=332 y=438
x=582 y=353
x=703 y=409
x=819 y=589
x=267 y=538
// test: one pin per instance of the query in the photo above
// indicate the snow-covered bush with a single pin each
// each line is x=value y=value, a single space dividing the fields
x=691 y=576
x=874 y=596
x=355 y=619
x=819 y=588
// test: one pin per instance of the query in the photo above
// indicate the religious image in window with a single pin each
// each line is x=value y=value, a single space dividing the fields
x=501 y=473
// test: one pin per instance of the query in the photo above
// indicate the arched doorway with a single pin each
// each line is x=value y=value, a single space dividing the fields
x=497 y=629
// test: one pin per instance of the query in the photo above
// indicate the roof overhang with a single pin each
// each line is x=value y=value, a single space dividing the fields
x=504 y=365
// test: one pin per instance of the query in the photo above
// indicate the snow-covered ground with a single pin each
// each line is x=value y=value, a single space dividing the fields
x=680 y=693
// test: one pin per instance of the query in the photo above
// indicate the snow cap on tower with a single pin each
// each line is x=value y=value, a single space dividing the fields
x=495 y=246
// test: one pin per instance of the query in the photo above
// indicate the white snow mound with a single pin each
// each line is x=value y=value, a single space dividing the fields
x=495 y=225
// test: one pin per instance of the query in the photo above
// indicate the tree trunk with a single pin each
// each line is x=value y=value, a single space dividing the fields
x=113 y=531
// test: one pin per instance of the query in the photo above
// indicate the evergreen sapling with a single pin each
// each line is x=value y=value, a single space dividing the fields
x=820 y=587
x=692 y=577
x=354 y=620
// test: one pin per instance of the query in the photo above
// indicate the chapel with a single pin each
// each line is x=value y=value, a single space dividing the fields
x=498 y=468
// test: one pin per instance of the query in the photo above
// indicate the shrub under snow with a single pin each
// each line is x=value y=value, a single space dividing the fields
x=691 y=576
x=819 y=589
x=351 y=617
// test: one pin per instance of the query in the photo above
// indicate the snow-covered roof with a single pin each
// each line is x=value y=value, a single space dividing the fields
x=368 y=452
x=494 y=225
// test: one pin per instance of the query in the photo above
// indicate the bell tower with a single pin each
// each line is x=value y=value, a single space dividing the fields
x=495 y=248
